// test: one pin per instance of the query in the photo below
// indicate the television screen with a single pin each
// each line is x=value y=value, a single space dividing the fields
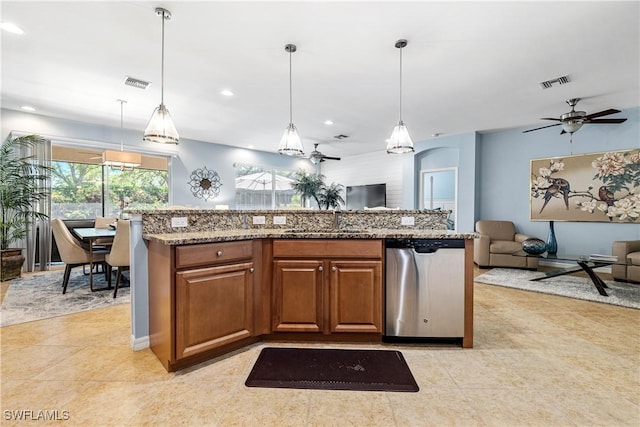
x=371 y=196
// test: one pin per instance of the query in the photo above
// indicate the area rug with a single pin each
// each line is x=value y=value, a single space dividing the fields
x=332 y=369
x=620 y=293
x=39 y=296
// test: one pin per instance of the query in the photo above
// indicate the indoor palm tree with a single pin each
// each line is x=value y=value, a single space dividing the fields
x=308 y=185
x=21 y=188
x=331 y=196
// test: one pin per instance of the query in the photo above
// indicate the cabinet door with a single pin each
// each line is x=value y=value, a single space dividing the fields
x=213 y=307
x=297 y=296
x=355 y=291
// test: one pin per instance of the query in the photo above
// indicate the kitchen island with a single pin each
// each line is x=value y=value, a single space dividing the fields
x=232 y=278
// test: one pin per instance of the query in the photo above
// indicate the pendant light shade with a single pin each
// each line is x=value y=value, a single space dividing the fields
x=290 y=143
x=400 y=141
x=121 y=159
x=160 y=128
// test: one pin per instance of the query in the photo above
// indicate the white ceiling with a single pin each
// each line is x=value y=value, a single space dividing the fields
x=469 y=66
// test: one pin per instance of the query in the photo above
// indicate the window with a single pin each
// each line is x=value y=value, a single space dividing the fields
x=82 y=188
x=260 y=187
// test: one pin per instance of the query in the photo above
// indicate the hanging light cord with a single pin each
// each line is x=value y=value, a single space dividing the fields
x=121 y=101
x=290 y=91
x=162 y=62
x=401 y=85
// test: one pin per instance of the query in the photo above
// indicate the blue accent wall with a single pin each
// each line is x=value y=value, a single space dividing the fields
x=503 y=179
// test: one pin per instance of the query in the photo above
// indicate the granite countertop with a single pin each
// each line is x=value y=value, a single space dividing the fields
x=284 y=233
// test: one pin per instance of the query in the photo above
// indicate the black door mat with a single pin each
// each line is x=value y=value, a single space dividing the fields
x=331 y=369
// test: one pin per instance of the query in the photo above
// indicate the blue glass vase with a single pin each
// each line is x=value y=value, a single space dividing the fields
x=552 y=243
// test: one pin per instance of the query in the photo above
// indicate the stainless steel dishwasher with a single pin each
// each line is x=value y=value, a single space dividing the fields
x=424 y=289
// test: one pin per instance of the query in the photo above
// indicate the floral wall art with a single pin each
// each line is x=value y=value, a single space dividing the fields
x=597 y=187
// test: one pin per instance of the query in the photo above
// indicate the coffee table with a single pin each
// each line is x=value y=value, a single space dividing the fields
x=583 y=262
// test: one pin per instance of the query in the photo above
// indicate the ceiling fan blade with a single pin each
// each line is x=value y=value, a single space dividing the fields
x=551 y=118
x=543 y=127
x=563 y=132
x=330 y=158
x=606 y=121
x=601 y=113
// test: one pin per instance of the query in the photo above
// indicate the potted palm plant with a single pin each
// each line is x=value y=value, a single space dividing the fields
x=308 y=185
x=312 y=186
x=331 y=196
x=21 y=189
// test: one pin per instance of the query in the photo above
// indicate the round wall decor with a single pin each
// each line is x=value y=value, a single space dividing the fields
x=204 y=183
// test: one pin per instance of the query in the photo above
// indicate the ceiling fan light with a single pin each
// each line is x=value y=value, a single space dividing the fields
x=572 y=126
x=290 y=144
x=400 y=141
x=160 y=128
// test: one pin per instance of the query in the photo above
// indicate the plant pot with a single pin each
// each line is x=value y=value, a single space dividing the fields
x=11 y=266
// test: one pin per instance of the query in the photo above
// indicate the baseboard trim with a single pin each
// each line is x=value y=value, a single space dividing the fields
x=138 y=344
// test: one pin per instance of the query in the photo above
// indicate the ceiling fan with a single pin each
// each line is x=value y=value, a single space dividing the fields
x=316 y=156
x=573 y=120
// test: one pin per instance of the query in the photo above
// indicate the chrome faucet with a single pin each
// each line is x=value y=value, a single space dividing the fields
x=336 y=219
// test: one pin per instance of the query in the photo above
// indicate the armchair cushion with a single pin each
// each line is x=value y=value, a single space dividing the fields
x=497 y=243
x=629 y=251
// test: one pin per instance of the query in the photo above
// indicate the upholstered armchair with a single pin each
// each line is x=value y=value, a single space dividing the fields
x=628 y=250
x=497 y=243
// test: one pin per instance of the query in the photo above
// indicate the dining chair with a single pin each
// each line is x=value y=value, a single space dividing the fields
x=119 y=255
x=104 y=222
x=72 y=253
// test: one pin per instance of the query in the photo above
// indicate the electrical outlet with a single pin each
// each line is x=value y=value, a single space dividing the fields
x=280 y=220
x=259 y=219
x=179 y=221
x=407 y=220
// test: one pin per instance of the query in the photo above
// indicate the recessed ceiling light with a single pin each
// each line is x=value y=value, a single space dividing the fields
x=227 y=92
x=12 y=28
x=28 y=108
x=328 y=122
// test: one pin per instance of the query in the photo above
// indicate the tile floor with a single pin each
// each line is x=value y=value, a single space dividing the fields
x=538 y=360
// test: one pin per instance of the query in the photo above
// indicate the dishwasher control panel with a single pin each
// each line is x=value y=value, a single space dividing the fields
x=425 y=245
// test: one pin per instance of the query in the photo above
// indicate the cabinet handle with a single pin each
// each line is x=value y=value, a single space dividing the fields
x=251 y=270
x=320 y=268
x=219 y=253
x=334 y=268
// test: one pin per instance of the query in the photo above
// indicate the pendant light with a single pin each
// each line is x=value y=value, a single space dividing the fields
x=160 y=128
x=400 y=141
x=121 y=159
x=290 y=143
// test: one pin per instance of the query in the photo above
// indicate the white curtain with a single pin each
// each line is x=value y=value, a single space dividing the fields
x=40 y=229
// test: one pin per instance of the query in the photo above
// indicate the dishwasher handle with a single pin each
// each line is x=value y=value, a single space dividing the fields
x=423 y=250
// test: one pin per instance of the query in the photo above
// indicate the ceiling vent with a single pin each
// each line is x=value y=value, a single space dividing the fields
x=549 y=83
x=140 y=84
x=341 y=136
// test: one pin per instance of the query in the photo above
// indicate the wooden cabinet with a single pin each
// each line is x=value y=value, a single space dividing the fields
x=213 y=307
x=201 y=300
x=327 y=286
x=355 y=291
x=297 y=296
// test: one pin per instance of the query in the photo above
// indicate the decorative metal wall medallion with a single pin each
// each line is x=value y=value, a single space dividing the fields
x=204 y=183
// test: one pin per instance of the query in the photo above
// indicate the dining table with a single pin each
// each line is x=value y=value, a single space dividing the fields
x=89 y=235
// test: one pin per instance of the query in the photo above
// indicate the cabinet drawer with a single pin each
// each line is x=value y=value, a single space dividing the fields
x=327 y=248
x=212 y=253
